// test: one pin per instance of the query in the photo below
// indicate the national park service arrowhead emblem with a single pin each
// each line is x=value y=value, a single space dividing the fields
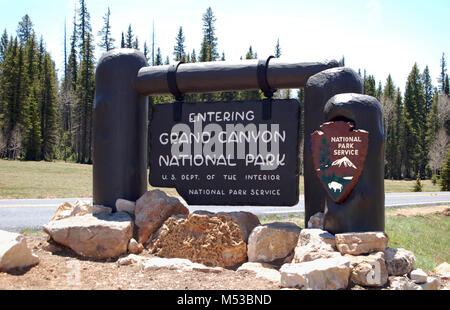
x=339 y=152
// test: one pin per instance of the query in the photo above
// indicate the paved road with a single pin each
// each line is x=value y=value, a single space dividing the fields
x=19 y=214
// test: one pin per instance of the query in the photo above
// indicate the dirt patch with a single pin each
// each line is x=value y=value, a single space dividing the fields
x=411 y=211
x=61 y=269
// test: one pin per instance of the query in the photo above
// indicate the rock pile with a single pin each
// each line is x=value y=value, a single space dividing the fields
x=310 y=259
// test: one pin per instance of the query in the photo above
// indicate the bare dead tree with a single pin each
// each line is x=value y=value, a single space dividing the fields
x=15 y=146
x=438 y=150
x=389 y=116
x=3 y=148
x=443 y=107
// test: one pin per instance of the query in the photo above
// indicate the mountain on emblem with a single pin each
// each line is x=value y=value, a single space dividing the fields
x=339 y=152
x=344 y=161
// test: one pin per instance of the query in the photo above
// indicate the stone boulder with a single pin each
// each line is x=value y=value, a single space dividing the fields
x=14 y=252
x=123 y=205
x=399 y=261
x=320 y=274
x=135 y=247
x=443 y=270
x=261 y=270
x=247 y=221
x=368 y=270
x=361 y=243
x=316 y=220
x=179 y=264
x=314 y=244
x=79 y=208
x=272 y=241
x=98 y=236
x=131 y=259
x=403 y=284
x=210 y=240
x=152 y=210
x=418 y=276
x=431 y=284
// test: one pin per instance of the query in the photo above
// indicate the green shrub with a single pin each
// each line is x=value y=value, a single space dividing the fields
x=434 y=179
x=418 y=184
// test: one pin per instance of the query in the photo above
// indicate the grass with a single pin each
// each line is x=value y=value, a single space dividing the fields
x=403 y=186
x=44 y=180
x=30 y=179
x=427 y=236
x=65 y=180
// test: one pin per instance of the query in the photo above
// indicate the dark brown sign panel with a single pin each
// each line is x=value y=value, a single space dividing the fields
x=224 y=153
x=339 y=153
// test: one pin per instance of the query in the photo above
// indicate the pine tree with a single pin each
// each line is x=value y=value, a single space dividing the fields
x=208 y=51
x=136 y=43
x=129 y=38
x=146 y=51
x=443 y=73
x=66 y=79
x=369 y=85
x=158 y=59
x=428 y=89
x=73 y=58
x=107 y=41
x=277 y=49
x=122 y=42
x=14 y=95
x=178 y=50
x=415 y=124
x=445 y=173
x=418 y=185
x=33 y=143
x=429 y=129
x=85 y=87
x=25 y=29
x=66 y=97
x=23 y=96
x=31 y=132
x=249 y=54
x=48 y=109
x=390 y=119
x=399 y=155
x=3 y=45
x=389 y=88
x=193 y=56
x=379 y=91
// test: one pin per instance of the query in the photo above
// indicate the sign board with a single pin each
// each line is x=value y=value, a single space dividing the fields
x=339 y=152
x=224 y=153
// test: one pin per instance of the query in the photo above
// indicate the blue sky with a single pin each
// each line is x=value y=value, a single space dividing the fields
x=382 y=36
